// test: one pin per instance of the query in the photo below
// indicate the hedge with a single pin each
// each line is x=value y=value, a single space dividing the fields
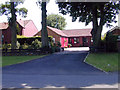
x=28 y=40
x=111 y=42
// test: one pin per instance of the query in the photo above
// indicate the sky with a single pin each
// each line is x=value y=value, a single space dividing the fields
x=34 y=13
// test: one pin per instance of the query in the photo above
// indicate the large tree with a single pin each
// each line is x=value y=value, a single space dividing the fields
x=99 y=13
x=9 y=9
x=56 y=21
x=44 y=33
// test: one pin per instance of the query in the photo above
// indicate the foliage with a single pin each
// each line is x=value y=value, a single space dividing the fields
x=36 y=44
x=18 y=45
x=6 y=46
x=9 y=9
x=84 y=11
x=5 y=9
x=99 y=13
x=111 y=41
x=21 y=36
x=58 y=44
x=56 y=21
x=69 y=44
x=28 y=40
x=25 y=46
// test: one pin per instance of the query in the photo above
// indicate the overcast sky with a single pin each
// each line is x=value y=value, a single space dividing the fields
x=34 y=13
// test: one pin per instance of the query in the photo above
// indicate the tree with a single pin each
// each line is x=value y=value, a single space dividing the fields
x=98 y=13
x=44 y=33
x=56 y=21
x=10 y=8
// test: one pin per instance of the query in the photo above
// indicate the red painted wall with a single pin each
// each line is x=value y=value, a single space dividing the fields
x=7 y=35
x=64 y=41
x=29 y=30
x=81 y=41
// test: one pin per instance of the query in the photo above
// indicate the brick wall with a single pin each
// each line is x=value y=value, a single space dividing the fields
x=51 y=33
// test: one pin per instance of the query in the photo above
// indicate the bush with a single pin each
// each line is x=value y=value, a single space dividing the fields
x=36 y=44
x=6 y=46
x=58 y=44
x=18 y=45
x=111 y=42
x=29 y=40
x=25 y=46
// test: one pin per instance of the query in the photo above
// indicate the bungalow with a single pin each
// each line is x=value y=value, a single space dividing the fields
x=75 y=37
x=25 y=27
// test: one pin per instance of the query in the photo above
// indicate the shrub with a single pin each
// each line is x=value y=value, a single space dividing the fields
x=36 y=44
x=111 y=42
x=6 y=46
x=18 y=45
x=58 y=44
x=25 y=46
x=29 y=40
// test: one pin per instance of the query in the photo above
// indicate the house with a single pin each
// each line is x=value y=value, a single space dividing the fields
x=115 y=30
x=25 y=27
x=75 y=37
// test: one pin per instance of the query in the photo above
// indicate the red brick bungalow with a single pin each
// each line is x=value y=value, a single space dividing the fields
x=75 y=37
x=26 y=28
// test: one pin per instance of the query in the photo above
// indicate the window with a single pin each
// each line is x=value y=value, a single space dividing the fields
x=85 y=39
x=76 y=40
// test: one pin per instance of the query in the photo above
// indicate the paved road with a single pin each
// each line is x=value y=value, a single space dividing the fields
x=57 y=70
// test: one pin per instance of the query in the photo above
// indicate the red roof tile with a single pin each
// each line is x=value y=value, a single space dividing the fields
x=77 y=32
x=59 y=32
x=23 y=23
x=5 y=25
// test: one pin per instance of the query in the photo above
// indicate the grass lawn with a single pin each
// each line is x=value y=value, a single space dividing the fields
x=105 y=61
x=9 y=60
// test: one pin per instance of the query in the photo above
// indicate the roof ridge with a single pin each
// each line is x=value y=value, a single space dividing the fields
x=56 y=31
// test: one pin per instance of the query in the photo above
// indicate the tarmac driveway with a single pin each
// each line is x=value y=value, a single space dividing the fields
x=66 y=69
x=55 y=64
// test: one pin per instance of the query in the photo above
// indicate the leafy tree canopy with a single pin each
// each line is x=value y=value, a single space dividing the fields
x=99 y=13
x=84 y=11
x=5 y=9
x=56 y=21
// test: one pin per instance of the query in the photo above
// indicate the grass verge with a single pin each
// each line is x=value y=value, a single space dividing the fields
x=105 y=61
x=9 y=60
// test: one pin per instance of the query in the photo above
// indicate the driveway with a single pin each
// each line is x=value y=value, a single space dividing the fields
x=65 y=69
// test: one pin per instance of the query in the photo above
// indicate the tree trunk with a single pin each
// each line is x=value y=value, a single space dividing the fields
x=95 y=25
x=12 y=24
x=44 y=34
x=97 y=29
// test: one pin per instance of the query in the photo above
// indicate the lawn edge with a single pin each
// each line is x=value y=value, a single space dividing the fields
x=24 y=61
x=93 y=65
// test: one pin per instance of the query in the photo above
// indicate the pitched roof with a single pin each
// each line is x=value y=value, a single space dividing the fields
x=77 y=32
x=116 y=27
x=57 y=31
x=23 y=23
x=72 y=33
